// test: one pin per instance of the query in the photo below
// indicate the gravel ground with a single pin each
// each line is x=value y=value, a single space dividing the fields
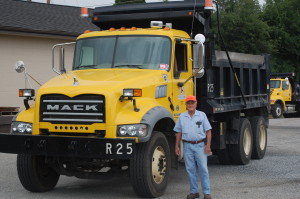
x=277 y=176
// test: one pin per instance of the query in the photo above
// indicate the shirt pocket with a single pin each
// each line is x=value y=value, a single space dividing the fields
x=198 y=124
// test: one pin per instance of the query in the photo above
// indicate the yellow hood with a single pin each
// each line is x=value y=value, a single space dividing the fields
x=101 y=81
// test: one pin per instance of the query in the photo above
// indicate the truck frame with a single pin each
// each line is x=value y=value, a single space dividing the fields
x=115 y=111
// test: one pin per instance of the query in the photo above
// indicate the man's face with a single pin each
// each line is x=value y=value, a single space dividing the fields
x=191 y=105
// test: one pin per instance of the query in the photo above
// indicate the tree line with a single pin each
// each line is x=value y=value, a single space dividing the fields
x=248 y=27
x=273 y=28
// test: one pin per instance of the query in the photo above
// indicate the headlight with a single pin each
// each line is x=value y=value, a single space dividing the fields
x=134 y=130
x=21 y=127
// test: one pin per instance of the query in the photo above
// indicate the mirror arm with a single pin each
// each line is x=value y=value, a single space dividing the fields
x=181 y=84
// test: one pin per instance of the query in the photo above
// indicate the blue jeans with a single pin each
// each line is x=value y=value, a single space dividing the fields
x=196 y=158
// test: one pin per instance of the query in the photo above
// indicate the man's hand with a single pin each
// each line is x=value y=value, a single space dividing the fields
x=177 y=150
x=178 y=139
x=207 y=149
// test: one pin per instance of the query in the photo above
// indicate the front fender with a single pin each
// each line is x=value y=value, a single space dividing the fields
x=25 y=115
x=152 y=117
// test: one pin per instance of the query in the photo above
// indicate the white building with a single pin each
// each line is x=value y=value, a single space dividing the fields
x=28 y=32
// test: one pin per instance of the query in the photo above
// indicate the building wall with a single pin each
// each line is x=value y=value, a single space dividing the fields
x=36 y=52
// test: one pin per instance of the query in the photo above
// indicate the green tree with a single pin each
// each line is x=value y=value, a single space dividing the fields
x=119 y=2
x=242 y=28
x=283 y=16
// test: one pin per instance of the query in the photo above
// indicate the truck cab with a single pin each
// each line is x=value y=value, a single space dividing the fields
x=283 y=94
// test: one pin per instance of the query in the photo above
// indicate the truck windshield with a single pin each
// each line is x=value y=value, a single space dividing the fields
x=275 y=83
x=140 y=52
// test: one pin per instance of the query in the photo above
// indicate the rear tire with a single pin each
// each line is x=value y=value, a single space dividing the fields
x=241 y=152
x=150 y=167
x=34 y=174
x=259 y=131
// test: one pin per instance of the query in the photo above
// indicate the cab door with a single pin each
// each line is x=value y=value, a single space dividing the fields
x=182 y=70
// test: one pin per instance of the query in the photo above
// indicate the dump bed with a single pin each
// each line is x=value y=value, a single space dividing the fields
x=180 y=14
x=218 y=90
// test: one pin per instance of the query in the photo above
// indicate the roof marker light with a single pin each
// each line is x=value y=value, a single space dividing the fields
x=208 y=5
x=84 y=13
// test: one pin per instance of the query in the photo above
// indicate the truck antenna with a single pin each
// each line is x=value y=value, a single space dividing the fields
x=194 y=12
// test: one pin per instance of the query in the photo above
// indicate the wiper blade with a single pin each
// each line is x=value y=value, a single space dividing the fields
x=129 y=66
x=86 y=66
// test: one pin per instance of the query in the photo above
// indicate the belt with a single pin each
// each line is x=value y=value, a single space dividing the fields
x=194 y=142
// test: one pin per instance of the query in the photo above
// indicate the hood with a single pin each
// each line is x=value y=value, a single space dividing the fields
x=101 y=81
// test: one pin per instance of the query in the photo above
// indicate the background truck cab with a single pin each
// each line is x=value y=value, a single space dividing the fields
x=285 y=96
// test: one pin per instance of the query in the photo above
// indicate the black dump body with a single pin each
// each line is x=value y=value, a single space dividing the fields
x=217 y=91
x=140 y=15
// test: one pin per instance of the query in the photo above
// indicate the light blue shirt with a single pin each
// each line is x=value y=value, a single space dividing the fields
x=192 y=128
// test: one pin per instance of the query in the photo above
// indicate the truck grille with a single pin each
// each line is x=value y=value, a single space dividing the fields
x=82 y=109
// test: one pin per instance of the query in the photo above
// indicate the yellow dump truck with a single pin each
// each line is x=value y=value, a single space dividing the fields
x=285 y=94
x=115 y=111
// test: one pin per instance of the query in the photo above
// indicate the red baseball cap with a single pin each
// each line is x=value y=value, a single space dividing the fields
x=190 y=98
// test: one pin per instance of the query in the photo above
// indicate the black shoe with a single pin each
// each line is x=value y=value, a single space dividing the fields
x=192 y=196
x=207 y=196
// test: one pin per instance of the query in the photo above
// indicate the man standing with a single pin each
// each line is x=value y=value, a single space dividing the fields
x=194 y=129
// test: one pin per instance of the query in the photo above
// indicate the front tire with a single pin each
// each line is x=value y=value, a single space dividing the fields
x=241 y=152
x=150 y=167
x=277 y=111
x=34 y=174
x=259 y=131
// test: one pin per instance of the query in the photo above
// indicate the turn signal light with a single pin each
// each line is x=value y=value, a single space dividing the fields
x=132 y=92
x=26 y=93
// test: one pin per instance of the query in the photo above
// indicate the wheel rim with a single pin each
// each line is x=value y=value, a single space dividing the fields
x=278 y=111
x=159 y=165
x=262 y=137
x=247 y=141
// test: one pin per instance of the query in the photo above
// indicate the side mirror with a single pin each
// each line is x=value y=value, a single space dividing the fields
x=198 y=55
x=287 y=81
x=61 y=47
x=62 y=60
x=20 y=66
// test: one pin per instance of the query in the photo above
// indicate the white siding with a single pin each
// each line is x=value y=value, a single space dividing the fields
x=36 y=52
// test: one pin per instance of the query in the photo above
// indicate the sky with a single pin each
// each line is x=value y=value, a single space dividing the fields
x=94 y=3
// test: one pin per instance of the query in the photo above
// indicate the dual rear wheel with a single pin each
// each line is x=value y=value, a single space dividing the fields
x=251 y=142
